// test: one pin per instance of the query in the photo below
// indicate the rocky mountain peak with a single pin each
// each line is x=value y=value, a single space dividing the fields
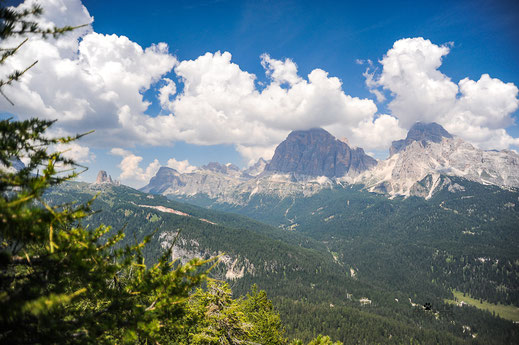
x=257 y=168
x=316 y=152
x=421 y=132
x=166 y=171
x=404 y=173
x=164 y=178
x=103 y=177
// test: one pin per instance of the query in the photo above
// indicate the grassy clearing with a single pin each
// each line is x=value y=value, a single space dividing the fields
x=508 y=312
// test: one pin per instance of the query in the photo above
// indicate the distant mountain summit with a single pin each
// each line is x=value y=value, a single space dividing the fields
x=257 y=168
x=164 y=178
x=421 y=132
x=221 y=168
x=419 y=164
x=104 y=178
x=316 y=152
x=303 y=164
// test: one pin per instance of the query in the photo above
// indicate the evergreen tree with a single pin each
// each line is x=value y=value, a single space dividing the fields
x=59 y=281
x=62 y=282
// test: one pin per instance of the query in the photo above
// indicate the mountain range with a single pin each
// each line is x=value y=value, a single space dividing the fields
x=307 y=162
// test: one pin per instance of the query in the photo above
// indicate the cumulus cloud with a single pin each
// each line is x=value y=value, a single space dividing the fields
x=181 y=166
x=93 y=81
x=90 y=81
x=253 y=153
x=477 y=111
x=85 y=79
x=76 y=152
x=372 y=85
x=220 y=104
x=166 y=92
x=280 y=71
x=132 y=174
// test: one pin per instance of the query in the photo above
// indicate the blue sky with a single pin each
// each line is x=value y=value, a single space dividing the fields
x=326 y=34
x=332 y=36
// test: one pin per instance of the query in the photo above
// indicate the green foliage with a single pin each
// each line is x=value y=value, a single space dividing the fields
x=302 y=282
x=217 y=318
x=323 y=340
x=268 y=328
x=62 y=283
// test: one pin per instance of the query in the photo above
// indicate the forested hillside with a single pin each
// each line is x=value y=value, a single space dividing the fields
x=465 y=240
x=346 y=279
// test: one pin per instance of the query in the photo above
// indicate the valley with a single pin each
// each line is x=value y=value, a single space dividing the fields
x=371 y=277
x=336 y=258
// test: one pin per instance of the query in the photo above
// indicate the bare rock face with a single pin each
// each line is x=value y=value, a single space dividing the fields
x=257 y=168
x=164 y=179
x=316 y=152
x=227 y=169
x=104 y=178
x=421 y=132
x=429 y=154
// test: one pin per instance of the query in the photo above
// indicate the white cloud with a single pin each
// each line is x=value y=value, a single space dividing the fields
x=477 y=111
x=90 y=81
x=94 y=81
x=372 y=85
x=253 y=153
x=166 y=92
x=131 y=172
x=221 y=105
x=76 y=152
x=280 y=71
x=181 y=166
x=86 y=80
x=381 y=132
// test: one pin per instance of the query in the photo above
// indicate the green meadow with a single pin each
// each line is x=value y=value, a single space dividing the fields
x=508 y=312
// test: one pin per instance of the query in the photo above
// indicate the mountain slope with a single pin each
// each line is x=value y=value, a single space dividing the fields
x=437 y=215
x=309 y=161
x=301 y=274
x=476 y=220
x=305 y=163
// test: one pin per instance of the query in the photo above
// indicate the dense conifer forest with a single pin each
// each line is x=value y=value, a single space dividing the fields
x=313 y=290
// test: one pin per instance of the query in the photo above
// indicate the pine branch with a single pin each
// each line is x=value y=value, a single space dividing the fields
x=14 y=77
x=10 y=51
